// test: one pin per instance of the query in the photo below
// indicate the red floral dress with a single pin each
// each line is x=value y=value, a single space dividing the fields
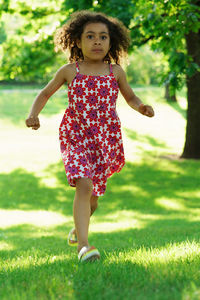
x=90 y=131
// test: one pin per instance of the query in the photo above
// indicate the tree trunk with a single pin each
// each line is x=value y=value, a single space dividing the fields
x=192 y=142
x=168 y=96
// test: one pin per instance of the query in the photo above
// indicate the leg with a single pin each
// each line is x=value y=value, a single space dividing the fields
x=93 y=206
x=93 y=203
x=81 y=210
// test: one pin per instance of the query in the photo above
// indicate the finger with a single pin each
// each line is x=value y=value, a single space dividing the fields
x=150 y=112
x=35 y=127
x=35 y=124
x=27 y=123
x=33 y=121
x=146 y=112
x=142 y=109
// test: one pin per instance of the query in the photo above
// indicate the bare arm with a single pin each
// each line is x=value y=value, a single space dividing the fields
x=47 y=92
x=128 y=94
x=42 y=98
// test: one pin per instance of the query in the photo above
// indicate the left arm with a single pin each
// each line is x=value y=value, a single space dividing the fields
x=128 y=94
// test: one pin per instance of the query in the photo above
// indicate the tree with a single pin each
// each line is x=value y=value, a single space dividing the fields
x=168 y=96
x=192 y=143
x=172 y=27
x=28 y=52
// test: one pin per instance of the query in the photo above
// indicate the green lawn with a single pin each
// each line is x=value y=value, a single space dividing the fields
x=147 y=224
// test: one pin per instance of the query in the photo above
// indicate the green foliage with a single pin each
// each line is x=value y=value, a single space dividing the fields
x=4 y=6
x=145 y=66
x=32 y=40
x=32 y=64
x=3 y=35
x=162 y=24
x=74 y=5
x=165 y=24
x=123 y=10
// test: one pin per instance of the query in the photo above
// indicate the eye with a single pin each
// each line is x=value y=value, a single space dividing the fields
x=89 y=36
x=103 y=37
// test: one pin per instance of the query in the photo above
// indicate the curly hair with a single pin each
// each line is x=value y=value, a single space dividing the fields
x=66 y=36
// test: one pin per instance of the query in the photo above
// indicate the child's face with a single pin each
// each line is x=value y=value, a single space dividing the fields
x=95 y=41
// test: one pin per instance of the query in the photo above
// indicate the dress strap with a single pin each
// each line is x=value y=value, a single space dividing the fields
x=111 y=68
x=77 y=67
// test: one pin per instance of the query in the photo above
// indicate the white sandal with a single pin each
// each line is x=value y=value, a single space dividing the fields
x=88 y=254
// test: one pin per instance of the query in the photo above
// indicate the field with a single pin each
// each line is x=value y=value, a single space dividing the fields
x=146 y=226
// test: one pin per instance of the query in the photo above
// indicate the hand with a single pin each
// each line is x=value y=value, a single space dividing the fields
x=146 y=110
x=33 y=122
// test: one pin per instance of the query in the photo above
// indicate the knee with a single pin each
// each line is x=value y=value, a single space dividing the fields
x=84 y=185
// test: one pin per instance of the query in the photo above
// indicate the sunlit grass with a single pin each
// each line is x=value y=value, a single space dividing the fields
x=164 y=255
x=146 y=226
x=25 y=262
x=37 y=218
x=170 y=204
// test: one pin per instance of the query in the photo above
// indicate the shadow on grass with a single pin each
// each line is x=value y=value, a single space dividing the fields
x=152 y=181
x=23 y=190
x=136 y=187
x=146 y=139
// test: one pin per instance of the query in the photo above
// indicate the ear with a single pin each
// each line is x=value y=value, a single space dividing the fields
x=78 y=44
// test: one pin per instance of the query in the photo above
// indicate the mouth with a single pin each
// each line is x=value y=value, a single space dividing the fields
x=97 y=50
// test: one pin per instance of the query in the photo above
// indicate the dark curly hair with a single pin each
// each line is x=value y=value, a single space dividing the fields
x=66 y=36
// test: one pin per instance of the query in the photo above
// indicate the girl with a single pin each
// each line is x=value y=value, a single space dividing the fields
x=90 y=131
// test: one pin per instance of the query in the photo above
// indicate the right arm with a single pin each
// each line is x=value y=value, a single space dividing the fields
x=42 y=98
x=132 y=100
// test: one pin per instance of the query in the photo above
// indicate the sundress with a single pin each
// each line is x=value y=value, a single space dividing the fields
x=90 y=131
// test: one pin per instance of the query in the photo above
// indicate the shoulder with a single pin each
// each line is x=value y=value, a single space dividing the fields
x=118 y=72
x=68 y=71
x=68 y=68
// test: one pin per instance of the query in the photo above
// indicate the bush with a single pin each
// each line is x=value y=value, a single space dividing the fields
x=145 y=66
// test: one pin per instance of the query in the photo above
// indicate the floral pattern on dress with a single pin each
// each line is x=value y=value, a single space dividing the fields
x=90 y=131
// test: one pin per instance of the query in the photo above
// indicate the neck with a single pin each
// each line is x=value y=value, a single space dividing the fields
x=95 y=68
x=92 y=62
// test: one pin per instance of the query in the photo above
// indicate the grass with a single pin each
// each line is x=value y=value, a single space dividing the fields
x=146 y=226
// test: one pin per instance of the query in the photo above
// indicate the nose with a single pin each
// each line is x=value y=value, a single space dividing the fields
x=97 y=41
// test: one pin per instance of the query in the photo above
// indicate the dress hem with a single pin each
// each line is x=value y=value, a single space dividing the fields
x=93 y=193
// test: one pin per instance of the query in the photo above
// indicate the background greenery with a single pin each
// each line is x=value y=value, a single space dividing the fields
x=27 y=29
